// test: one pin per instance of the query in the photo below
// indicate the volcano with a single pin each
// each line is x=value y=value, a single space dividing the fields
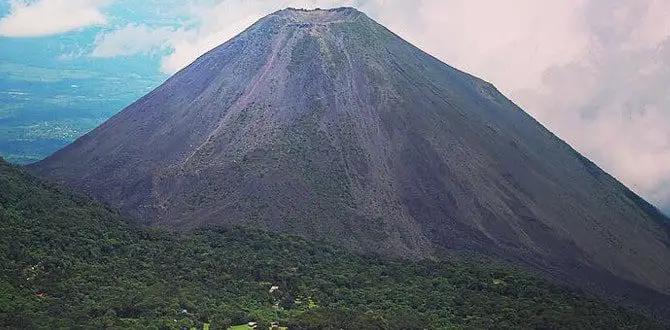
x=324 y=124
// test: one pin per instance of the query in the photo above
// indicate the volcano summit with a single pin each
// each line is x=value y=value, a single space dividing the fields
x=325 y=124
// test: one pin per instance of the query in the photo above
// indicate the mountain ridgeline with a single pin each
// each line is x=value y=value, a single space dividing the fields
x=327 y=125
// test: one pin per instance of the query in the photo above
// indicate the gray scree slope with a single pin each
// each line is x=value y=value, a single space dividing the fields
x=325 y=124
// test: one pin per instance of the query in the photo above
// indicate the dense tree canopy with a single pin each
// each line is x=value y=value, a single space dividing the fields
x=69 y=262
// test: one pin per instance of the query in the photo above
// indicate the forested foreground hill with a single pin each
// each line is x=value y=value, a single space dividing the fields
x=69 y=262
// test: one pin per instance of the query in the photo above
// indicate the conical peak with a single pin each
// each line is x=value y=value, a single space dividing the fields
x=320 y=16
x=344 y=131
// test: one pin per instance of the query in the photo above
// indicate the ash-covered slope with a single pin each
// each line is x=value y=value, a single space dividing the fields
x=325 y=124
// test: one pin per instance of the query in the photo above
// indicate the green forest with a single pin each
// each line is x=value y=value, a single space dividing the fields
x=69 y=262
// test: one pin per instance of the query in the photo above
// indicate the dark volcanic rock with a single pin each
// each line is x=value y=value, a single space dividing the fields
x=325 y=124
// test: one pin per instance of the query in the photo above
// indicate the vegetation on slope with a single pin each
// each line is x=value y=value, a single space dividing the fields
x=68 y=262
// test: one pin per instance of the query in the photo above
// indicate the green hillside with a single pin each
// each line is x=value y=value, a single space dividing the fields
x=68 y=262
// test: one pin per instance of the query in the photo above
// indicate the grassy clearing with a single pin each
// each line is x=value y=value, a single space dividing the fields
x=240 y=327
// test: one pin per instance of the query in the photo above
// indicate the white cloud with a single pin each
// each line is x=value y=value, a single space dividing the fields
x=132 y=39
x=612 y=103
x=50 y=17
x=508 y=42
x=211 y=25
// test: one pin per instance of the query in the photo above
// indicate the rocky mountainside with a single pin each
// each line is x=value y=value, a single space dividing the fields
x=325 y=124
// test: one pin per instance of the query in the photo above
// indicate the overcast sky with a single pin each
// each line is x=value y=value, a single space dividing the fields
x=595 y=72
